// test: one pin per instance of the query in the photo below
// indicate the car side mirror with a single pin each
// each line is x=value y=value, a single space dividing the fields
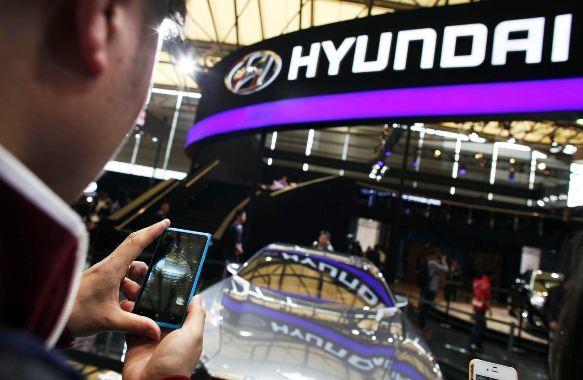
x=233 y=268
x=402 y=301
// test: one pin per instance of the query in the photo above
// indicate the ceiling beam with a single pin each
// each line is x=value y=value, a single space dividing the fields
x=259 y=8
x=213 y=21
x=236 y=23
x=387 y=4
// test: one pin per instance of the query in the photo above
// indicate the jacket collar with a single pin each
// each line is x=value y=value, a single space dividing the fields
x=40 y=196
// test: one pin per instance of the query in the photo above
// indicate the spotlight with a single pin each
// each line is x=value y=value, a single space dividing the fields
x=541 y=166
x=570 y=149
x=437 y=153
x=478 y=156
x=91 y=188
x=579 y=121
x=512 y=161
x=154 y=139
x=186 y=64
x=169 y=29
x=388 y=154
x=305 y=167
x=555 y=147
x=89 y=199
x=540 y=203
x=462 y=170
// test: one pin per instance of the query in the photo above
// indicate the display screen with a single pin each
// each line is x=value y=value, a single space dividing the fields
x=171 y=276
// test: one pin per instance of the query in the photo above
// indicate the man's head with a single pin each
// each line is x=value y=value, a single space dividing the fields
x=75 y=75
x=164 y=208
x=240 y=216
x=324 y=238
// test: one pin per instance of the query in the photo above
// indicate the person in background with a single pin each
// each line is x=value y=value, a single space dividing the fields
x=355 y=249
x=279 y=184
x=324 y=242
x=375 y=256
x=84 y=68
x=436 y=265
x=554 y=305
x=482 y=291
x=454 y=281
x=233 y=239
x=163 y=211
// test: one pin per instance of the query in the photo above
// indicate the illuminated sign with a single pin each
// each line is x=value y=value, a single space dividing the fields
x=446 y=62
x=531 y=44
x=253 y=72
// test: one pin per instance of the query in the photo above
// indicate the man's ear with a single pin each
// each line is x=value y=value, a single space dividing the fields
x=93 y=19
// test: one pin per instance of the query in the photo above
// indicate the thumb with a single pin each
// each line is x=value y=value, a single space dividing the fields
x=136 y=325
x=194 y=323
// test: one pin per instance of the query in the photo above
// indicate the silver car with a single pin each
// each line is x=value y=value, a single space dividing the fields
x=299 y=314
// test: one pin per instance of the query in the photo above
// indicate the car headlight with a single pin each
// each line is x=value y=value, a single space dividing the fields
x=537 y=300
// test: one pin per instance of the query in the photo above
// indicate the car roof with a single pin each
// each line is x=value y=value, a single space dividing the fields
x=337 y=256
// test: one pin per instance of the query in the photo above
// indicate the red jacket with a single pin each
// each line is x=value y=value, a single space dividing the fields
x=482 y=293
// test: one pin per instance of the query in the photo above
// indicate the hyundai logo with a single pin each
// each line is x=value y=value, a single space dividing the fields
x=253 y=72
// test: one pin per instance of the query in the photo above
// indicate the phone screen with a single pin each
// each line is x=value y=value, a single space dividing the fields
x=480 y=377
x=165 y=293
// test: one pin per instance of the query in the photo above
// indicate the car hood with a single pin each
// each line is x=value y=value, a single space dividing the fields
x=258 y=333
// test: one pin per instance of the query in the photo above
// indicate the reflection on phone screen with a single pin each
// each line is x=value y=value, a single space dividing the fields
x=167 y=288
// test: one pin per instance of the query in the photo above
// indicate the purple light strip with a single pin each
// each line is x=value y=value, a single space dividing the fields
x=301 y=297
x=248 y=307
x=552 y=95
x=368 y=350
x=368 y=279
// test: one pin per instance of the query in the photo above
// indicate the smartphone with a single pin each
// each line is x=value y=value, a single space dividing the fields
x=172 y=277
x=483 y=370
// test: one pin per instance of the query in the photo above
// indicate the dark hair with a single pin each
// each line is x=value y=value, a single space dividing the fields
x=172 y=9
x=239 y=213
x=327 y=233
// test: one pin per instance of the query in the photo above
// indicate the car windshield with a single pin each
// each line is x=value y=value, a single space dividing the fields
x=318 y=278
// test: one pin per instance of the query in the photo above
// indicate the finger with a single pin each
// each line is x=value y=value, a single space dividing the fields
x=135 y=324
x=127 y=306
x=134 y=244
x=130 y=289
x=194 y=322
x=138 y=270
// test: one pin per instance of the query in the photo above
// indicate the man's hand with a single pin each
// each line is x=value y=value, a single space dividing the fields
x=97 y=307
x=175 y=355
x=239 y=249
